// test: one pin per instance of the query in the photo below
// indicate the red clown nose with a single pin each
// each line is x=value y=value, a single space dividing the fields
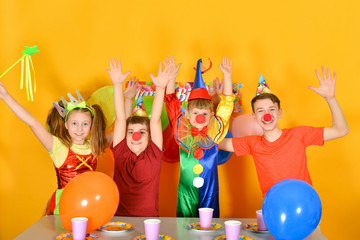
x=200 y=118
x=136 y=136
x=267 y=117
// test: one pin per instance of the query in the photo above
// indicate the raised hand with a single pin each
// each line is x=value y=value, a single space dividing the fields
x=217 y=88
x=115 y=72
x=132 y=88
x=226 y=67
x=327 y=85
x=170 y=62
x=163 y=77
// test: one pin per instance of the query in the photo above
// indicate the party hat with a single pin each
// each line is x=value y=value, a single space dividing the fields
x=139 y=109
x=199 y=88
x=262 y=86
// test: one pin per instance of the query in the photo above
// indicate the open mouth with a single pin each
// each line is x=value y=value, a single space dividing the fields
x=267 y=122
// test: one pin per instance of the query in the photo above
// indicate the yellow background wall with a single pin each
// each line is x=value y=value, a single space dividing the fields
x=283 y=40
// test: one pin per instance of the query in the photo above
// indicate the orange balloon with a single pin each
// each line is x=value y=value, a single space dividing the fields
x=106 y=163
x=245 y=125
x=93 y=195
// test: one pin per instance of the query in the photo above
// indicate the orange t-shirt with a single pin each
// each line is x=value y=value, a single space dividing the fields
x=282 y=159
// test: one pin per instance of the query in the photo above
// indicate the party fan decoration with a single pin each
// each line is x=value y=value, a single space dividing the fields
x=26 y=62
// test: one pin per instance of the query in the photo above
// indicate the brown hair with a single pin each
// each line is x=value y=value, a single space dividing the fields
x=98 y=141
x=262 y=96
x=201 y=104
x=138 y=120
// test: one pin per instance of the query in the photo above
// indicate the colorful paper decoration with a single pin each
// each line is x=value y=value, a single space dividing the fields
x=183 y=90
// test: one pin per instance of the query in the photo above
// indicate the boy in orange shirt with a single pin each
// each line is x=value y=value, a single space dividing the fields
x=281 y=153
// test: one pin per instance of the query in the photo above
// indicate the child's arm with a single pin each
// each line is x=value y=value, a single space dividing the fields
x=118 y=78
x=155 y=122
x=170 y=62
x=215 y=92
x=129 y=94
x=226 y=68
x=36 y=127
x=226 y=105
x=326 y=89
x=226 y=145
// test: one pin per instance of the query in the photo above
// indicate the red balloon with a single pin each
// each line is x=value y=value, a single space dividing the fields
x=245 y=125
x=93 y=195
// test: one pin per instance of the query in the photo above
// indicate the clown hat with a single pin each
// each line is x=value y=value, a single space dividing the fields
x=262 y=86
x=199 y=88
x=139 y=109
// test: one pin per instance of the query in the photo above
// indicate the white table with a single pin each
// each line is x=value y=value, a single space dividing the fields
x=48 y=227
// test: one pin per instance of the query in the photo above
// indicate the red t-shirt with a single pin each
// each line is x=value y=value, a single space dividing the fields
x=282 y=159
x=137 y=178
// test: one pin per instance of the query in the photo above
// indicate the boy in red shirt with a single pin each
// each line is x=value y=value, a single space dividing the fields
x=137 y=147
x=281 y=153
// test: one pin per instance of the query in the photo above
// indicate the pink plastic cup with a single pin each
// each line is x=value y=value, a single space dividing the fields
x=79 y=225
x=232 y=229
x=205 y=215
x=152 y=229
x=260 y=221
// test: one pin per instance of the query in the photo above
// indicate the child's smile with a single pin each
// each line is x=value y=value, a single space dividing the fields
x=137 y=138
x=78 y=125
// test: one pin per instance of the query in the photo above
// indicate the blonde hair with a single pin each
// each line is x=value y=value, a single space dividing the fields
x=98 y=141
x=201 y=104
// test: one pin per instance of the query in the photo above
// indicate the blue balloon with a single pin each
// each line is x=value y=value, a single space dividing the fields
x=224 y=156
x=291 y=210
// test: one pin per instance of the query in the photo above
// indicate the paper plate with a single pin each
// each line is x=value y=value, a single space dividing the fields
x=161 y=236
x=196 y=227
x=252 y=227
x=68 y=236
x=116 y=227
x=241 y=237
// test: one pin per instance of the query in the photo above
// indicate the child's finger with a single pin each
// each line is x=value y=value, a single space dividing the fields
x=151 y=76
x=317 y=74
x=127 y=74
x=111 y=64
x=323 y=71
